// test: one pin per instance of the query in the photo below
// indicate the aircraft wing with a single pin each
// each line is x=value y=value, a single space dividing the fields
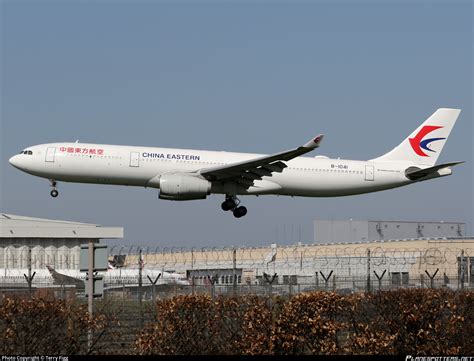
x=246 y=172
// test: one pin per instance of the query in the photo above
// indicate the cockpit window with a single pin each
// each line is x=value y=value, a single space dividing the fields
x=30 y=152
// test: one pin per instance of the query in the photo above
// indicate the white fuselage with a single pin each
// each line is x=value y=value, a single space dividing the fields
x=138 y=166
x=118 y=276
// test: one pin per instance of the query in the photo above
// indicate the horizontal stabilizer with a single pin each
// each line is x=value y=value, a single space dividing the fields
x=414 y=173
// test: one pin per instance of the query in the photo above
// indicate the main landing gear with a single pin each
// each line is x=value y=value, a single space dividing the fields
x=54 y=193
x=232 y=203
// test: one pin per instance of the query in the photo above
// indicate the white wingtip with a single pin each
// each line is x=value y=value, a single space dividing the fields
x=315 y=142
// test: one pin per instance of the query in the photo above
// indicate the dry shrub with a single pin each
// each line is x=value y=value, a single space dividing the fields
x=44 y=326
x=406 y=321
x=367 y=334
x=410 y=321
x=312 y=323
x=198 y=325
x=465 y=310
x=416 y=321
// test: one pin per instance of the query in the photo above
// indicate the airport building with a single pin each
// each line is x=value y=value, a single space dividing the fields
x=331 y=231
x=52 y=242
x=403 y=262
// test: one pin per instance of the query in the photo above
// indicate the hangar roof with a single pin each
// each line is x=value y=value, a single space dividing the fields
x=13 y=226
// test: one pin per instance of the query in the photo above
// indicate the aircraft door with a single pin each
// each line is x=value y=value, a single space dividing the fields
x=50 y=152
x=134 y=159
x=369 y=172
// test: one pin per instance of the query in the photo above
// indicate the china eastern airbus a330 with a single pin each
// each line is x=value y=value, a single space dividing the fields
x=182 y=174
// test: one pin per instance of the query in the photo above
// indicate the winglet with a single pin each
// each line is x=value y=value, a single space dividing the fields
x=315 y=142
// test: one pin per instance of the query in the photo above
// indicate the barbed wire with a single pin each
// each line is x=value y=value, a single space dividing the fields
x=294 y=257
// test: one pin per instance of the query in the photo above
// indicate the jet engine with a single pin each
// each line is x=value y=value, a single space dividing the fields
x=183 y=187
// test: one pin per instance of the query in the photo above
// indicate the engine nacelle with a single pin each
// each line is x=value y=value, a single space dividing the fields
x=182 y=187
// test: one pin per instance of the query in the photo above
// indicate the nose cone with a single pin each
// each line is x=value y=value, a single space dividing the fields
x=15 y=161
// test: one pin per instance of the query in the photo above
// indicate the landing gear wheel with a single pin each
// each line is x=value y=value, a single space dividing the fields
x=231 y=203
x=54 y=193
x=228 y=204
x=240 y=212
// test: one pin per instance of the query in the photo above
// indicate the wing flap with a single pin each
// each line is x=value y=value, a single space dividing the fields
x=275 y=167
x=245 y=182
x=251 y=176
x=260 y=171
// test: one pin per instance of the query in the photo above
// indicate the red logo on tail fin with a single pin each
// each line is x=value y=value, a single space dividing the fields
x=417 y=142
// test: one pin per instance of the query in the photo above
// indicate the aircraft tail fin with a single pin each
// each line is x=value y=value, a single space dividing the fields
x=424 y=145
x=61 y=279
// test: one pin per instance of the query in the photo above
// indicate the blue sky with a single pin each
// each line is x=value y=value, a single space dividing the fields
x=238 y=76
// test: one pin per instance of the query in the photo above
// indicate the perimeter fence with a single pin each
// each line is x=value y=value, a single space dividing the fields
x=148 y=273
x=343 y=268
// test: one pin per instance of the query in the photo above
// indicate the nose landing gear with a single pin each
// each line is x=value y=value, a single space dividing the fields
x=54 y=193
x=232 y=203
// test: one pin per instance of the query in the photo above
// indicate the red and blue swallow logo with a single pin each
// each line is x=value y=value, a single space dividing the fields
x=418 y=144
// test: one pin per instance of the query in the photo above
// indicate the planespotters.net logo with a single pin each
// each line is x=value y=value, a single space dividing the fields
x=439 y=358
